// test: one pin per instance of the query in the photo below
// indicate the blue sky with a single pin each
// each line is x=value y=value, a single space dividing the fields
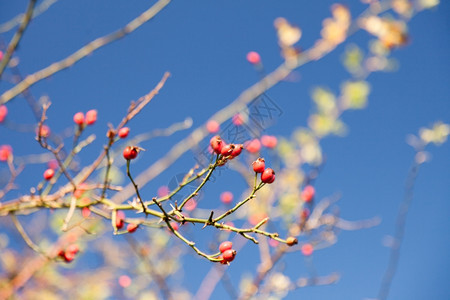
x=203 y=44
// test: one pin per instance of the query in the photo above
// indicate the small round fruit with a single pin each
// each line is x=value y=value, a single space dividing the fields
x=291 y=241
x=308 y=193
x=212 y=126
x=229 y=255
x=307 y=249
x=216 y=144
x=227 y=150
x=130 y=152
x=72 y=248
x=91 y=116
x=224 y=246
x=237 y=150
x=120 y=219
x=269 y=141
x=268 y=176
x=3 y=112
x=5 y=152
x=259 y=165
x=78 y=118
x=132 y=227
x=48 y=174
x=226 y=197
x=123 y=132
x=253 y=146
x=254 y=58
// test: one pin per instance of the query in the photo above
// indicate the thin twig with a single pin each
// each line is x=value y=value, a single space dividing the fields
x=82 y=52
x=17 y=37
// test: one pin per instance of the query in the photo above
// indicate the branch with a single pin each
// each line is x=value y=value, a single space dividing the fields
x=82 y=52
x=17 y=37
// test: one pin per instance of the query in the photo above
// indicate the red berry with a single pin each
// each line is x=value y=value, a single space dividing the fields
x=224 y=246
x=229 y=255
x=226 y=197
x=78 y=118
x=5 y=152
x=238 y=119
x=216 y=144
x=269 y=141
x=237 y=150
x=259 y=165
x=268 y=176
x=123 y=132
x=3 y=112
x=253 y=58
x=120 y=219
x=69 y=256
x=132 y=227
x=227 y=150
x=124 y=281
x=48 y=174
x=175 y=225
x=1 y=55
x=253 y=146
x=72 y=248
x=130 y=152
x=80 y=190
x=308 y=193
x=85 y=212
x=91 y=117
x=307 y=249
x=212 y=126
x=44 y=132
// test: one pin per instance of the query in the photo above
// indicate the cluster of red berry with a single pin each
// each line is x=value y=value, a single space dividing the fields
x=120 y=222
x=228 y=254
x=69 y=253
x=267 y=175
x=226 y=151
x=80 y=119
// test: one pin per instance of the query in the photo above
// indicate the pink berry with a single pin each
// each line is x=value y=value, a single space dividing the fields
x=307 y=249
x=78 y=118
x=238 y=119
x=130 y=152
x=229 y=255
x=190 y=205
x=224 y=246
x=253 y=58
x=132 y=227
x=163 y=191
x=269 y=141
x=259 y=165
x=91 y=116
x=120 y=219
x=81 y=189
x=1 y=55
x=175 y=225
x=268 y=176
x=85 y=212
x=68 y=256
x=237 y=150
x=216 y=144
x=72 y=248
x=5 y=152
x=124 y=281
x=48 y=174
x=3 y=112
x=44 y=132
x=212 y=126
x=52 y=164
x=226 y=197
x=253 y=146
x=123 y=132
x=308 y=193
x=227 y=150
